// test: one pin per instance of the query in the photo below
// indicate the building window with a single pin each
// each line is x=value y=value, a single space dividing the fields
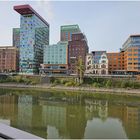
x=103 y=66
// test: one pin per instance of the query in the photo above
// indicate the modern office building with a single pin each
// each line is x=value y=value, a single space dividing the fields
x=77 y=48
x=116 y=63
x=66 y=31
x=34 y=34
x=131 y=49
x=55 y=59
x=97 y=63
x=127 y=61
x=9 y=58
x=16 y=37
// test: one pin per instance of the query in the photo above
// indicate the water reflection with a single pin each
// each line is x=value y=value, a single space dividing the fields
x=62 y=116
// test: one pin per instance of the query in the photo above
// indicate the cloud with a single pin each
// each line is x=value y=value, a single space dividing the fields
x=46 y=8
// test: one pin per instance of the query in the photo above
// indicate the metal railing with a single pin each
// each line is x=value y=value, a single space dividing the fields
x=8 y=132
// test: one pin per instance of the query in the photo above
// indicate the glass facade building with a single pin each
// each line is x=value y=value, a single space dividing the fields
x=34 y=34
x=56 y=54
x=132 y=41
x=55 y=59
x=16 y=37
x=131 y=49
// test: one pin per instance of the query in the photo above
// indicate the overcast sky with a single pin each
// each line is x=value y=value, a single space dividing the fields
x=106 y=24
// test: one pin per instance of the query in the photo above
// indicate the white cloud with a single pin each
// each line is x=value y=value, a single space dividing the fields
x=46 y=8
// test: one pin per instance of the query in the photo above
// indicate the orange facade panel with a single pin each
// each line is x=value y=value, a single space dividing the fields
x=115 y=61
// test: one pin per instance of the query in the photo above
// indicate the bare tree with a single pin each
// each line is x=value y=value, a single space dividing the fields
x=80 y=68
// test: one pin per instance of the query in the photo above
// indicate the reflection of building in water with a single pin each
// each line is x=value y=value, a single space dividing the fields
x=55 y=115
x=68 y=120
x=76 y=121
x=30 y=115
x=130 y=117
x=103 y=109
x=96 y=108
x=8 y=107
x=25 y=111
x=132 y=122
x=116 y=111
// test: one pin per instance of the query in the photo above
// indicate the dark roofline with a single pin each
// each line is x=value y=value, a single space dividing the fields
x=98 y=51
x=27 y=9
x=136 y=35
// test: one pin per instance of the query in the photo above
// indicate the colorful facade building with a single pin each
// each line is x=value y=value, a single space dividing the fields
x=127 y=61
x=16 y=37
x=116 y=63
x=97 y=63
x=55 y=59
x=66 y=32
x=34 y=34
x=131 y=49
x=9 y=58
x=77 y=48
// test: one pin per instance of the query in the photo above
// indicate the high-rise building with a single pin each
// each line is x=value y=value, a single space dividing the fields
x=97 y=63
x=34 y=34
x=16 y=37
x=77 y=48
x=66 y=32
x=131 y=49
x=9 y=58
x=55 y=59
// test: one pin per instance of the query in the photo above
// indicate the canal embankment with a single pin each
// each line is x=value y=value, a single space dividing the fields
x=118 y=91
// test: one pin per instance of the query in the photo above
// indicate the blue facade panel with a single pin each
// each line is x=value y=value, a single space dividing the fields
x=34 y=34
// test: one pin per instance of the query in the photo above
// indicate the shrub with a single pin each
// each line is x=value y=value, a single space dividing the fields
x=56 y=81
x=63 y=81
x=108 y=84
x=136 y=85
x=124 y=84
x=70 y=83
x=95 y=84
x=33 y=82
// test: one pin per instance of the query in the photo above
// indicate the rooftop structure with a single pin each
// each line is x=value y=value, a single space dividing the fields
x=132 y=41
x=27 y=9
x=67 y=31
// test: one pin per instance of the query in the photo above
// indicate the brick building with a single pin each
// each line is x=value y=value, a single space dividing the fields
x=77 y=48
x=9 y=58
